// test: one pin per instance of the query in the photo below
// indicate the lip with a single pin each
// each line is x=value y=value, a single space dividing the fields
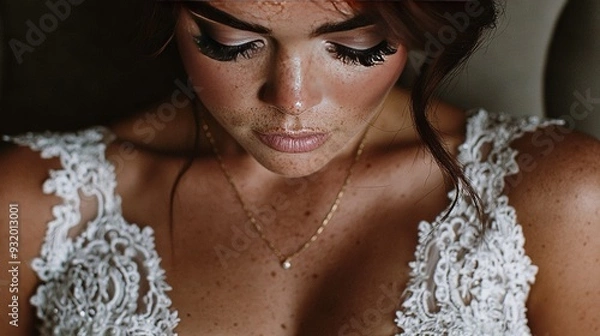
x=293 y=142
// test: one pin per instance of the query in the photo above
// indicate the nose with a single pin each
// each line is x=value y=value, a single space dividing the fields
x=292 y=85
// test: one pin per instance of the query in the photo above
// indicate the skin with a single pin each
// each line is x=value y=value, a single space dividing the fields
x=349 y=275
x=292 y=83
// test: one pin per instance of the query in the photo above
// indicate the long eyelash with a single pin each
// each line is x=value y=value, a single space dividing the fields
x=365 y=57
x=224 y=53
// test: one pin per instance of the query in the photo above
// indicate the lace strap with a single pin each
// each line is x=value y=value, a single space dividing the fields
x=465 y=281
x=84 y=169
x=487 y=148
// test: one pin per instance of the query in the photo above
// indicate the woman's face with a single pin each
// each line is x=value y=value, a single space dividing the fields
x=295 y=83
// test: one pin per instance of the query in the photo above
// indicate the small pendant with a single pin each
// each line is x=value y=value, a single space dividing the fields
x=286 y=264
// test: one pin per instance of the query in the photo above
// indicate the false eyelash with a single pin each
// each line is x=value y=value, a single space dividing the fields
x=365 y=57
x=225 y=53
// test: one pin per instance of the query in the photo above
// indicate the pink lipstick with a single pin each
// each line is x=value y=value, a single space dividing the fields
x=293 y=142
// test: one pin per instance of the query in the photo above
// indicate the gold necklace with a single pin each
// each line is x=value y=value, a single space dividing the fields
x=284 y=260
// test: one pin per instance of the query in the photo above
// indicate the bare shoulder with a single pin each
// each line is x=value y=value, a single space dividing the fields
x=152 y=130
x=25 y=209
x=557 y=199
x=397 y=125
x=22 y=173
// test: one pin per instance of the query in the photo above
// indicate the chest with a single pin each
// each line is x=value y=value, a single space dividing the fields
x=226 y=281
x=233 y=284
x=349 y=281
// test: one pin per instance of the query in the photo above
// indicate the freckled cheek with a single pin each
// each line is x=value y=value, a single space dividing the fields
x=365 y=91
x=218 y=86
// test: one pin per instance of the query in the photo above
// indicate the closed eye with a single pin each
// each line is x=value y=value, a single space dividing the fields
x=226 y=53
x=365 y=57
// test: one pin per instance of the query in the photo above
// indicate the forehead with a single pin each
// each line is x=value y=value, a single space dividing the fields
x=291 y=14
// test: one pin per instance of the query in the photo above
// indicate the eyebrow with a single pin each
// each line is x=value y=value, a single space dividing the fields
x=202 y=8
x=355 y=22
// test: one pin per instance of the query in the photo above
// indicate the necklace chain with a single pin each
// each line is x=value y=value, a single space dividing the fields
x=284 y=260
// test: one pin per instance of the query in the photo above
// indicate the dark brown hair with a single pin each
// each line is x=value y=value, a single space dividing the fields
x=455 y=28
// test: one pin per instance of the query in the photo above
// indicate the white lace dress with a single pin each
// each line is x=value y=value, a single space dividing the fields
x=107 y=280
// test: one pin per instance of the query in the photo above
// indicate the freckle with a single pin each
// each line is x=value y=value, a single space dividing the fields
x=584 y=243
x=315 y=275
x=273 y=274
x=235 y=324
x=368 y=165
x=218 y=283
x=357 y=242
x=188 y=314
x=307 y=213
x=215 y=323
x=283 y=326
x=543 y=246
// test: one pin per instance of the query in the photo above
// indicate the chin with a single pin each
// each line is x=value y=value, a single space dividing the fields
x=293 y=165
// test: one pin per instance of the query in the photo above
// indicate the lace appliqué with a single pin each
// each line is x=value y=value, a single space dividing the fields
x=464 y=281
x=107 y=280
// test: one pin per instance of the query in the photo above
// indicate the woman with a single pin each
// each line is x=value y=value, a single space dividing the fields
x=290 y=196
